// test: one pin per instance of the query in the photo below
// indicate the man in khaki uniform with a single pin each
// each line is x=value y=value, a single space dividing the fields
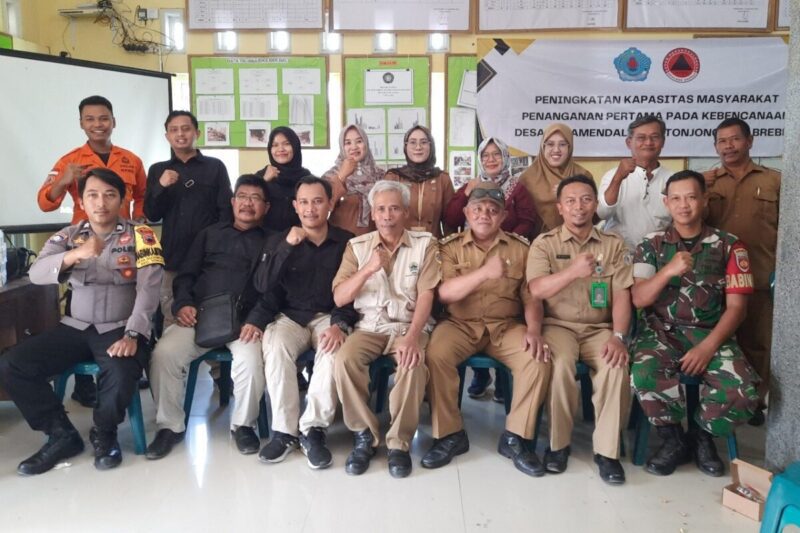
x=484 y=289
x=580 y=278
x=389 y=275
x=743 y=199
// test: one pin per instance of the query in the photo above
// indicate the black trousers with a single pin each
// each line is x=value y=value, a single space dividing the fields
x=26 y=369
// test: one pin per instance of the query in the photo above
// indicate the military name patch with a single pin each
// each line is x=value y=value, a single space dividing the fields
x=562 y=256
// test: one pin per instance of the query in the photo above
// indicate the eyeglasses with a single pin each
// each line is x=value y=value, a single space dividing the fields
x=491 y=155
x=494 y=194
x=550 y=145
x=656 y=137
x=414 y=143
x=244 y=198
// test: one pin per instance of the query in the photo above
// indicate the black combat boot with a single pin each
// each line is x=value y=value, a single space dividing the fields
x=64 y=442
x=674 y=451
x=705 y=454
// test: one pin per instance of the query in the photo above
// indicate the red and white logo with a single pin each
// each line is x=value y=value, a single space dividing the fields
x=681 y=65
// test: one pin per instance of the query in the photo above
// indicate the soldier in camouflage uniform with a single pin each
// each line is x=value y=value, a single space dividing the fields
x=693 y=281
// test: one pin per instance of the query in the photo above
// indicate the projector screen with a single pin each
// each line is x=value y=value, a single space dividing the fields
x=39 y=97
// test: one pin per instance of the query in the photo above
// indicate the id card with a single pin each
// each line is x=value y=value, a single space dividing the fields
x=599 y=295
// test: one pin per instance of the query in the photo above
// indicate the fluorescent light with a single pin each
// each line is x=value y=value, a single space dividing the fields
x=384 y=43
x=330 y=43
x=438 y=42
x=226 y=41
x=280 y=41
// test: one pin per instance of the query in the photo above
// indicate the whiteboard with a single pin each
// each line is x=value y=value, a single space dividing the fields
x=401 y=15
x=254 y=14
x=503 y=15
x=40 y=121
x=713 y=14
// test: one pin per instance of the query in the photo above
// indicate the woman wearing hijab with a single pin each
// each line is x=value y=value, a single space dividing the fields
x=352 y=177
x=431 y=188
x=282 y=174
x=493 y=165
x=553 y=164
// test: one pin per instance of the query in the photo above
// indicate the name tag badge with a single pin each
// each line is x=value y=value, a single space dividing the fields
x=598 y=297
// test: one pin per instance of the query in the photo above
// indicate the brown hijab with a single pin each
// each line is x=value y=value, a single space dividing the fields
x=541 y=179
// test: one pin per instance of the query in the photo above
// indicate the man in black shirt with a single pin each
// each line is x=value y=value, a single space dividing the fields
x=221 y=259
x=295 y=275
x=189 y=192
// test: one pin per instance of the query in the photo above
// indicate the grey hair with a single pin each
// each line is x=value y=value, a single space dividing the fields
x=647 y=119
x=390 y=186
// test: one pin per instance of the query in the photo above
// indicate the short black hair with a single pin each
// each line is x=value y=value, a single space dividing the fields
x=647 y=119
x=686 y=175
x=95 y=100
x=734 y=121
x=313 y=180
x=105 y=175
x=578 y=178
x=181 y=113
x=254 y=181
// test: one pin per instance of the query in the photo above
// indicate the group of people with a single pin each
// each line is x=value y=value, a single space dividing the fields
x=360 y=264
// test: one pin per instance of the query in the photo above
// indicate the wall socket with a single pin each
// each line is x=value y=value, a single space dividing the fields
x=145 y=14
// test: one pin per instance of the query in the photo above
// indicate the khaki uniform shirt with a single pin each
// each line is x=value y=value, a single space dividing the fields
x=118 y=288
x=554 y=251
x=748 y=208
x=496 y=303
x=429 y=199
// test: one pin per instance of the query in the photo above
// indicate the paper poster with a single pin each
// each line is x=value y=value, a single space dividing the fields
x=258 y=107
x=462 y=167
x=216 y=133
x=371 y=120
x=468 y=93
x=215 y=108
x=301 y=109
x=305 y=132
x=258 y=134
x=377 y=144
x=396 y=146
x=301 y=81
x=383 y=87
x=698 y=14
x=498 y=15
x=402 y=119
x=213 y=81
x=258 y=81
x=462 y=126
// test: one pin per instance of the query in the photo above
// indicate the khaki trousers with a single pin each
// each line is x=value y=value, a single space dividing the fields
x=169 y=365
x=611 y=396
x=351 y=371
x=755 y=337
x=167 y=298
x=284 y=341
x=451 y=344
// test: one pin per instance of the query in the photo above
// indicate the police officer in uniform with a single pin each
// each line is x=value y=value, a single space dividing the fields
x=483 y=287
x=693 y=282
x=114 y=269
x=581 y=277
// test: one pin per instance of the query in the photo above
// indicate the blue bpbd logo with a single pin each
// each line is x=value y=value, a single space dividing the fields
x=632 y=65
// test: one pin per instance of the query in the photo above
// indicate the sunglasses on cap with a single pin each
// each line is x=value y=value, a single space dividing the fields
x=493 y=194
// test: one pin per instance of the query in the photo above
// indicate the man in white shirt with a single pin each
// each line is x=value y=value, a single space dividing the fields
x=631 y=194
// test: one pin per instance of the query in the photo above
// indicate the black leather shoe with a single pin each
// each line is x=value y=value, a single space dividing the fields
x=706 y=456
x=610 y=469
x=107 y=453
x=247 y=441
x=64 y=442
x=758 y=417
x=520 y=450
x=85 y=391
x=358 y=460
x=555 y=462
x=674 y=451
x=444 y=449
x=399 y=463
x=163 y=442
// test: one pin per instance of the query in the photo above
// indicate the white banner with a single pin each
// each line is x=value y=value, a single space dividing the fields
x=599 y=87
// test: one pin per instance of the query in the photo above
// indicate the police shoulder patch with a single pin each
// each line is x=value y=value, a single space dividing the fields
x=58 y=238
x=148 y=249
x=449 y=238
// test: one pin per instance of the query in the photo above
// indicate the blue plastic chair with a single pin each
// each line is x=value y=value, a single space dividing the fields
x=481 y=360
x=783 y=502
x=134 y=409
x=642 y=427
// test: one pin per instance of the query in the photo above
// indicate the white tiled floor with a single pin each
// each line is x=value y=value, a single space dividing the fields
x=206 y=485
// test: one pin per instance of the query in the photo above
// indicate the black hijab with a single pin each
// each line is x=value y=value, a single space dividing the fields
x=419 y=172
x=294 y=170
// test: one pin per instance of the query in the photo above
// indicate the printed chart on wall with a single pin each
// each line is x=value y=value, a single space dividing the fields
x=462 y=103
x=238 y=100
x=782 y=22
x=598 y=88
x=387 y=97
x=709 y=14
x=502 y=15
x=254 y=14
x=400 y=15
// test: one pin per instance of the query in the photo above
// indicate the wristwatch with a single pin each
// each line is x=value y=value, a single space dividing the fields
x=342 y=325
x=130 y=334
x=622 y=337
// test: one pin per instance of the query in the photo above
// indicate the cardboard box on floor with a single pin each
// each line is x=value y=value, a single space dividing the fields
x=753 y=478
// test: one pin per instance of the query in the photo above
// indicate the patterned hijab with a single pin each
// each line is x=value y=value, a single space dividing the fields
x=419 y=172
x=504 y=179
x=360 y=182
x=293 y=170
